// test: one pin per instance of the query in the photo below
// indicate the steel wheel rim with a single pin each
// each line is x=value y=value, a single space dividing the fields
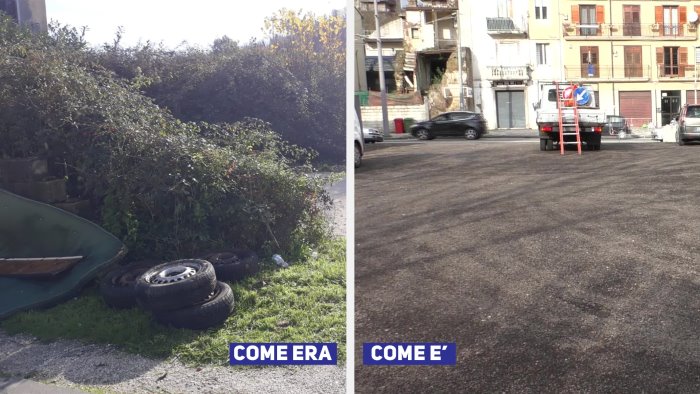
x=173 y=274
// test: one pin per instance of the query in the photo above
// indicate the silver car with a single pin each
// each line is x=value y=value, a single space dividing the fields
x=689 y=124
x=372 y=135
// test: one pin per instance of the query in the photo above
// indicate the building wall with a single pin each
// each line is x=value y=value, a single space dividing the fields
x=372 y=116
x=488 y=50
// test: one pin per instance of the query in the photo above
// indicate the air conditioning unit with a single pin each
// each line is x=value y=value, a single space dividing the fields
x=692 y=26
x=655 y=26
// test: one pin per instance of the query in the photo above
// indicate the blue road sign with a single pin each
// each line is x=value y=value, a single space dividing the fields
x=582 y=95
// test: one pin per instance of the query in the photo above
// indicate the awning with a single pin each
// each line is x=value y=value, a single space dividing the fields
x=372 y=63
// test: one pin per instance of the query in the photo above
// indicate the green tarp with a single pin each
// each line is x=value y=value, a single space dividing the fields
x=33 y=229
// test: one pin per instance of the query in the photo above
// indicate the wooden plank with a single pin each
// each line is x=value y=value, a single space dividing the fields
x=37 y=266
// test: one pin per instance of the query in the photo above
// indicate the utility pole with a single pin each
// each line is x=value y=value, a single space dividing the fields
x=461 y=66
x=382 y=83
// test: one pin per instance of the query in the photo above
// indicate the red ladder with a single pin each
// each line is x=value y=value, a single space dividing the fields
x=570 y=103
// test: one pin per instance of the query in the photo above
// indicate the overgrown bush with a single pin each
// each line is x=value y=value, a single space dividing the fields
x=295 y=81
x=168 y=188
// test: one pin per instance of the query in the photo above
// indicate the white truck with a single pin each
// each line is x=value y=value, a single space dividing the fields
x=591 y=119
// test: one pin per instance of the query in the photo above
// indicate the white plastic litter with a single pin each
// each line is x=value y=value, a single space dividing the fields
x=279 y=261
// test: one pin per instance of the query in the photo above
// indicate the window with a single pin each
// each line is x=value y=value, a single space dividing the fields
x=589 y=62
x=670 y=61
x=541 y=9
x=588 y=20
x=671 y=20
x=633 y=61
x=504 y=8
x=541 y=53
x=415 y=32
x=631 y=26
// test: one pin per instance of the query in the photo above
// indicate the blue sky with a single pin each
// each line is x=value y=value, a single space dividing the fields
x=173 y=21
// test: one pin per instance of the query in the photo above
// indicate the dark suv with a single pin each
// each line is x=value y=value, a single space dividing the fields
x=471 y=125
x=688 y=124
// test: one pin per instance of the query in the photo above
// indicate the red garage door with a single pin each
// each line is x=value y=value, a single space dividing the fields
x=636 y=107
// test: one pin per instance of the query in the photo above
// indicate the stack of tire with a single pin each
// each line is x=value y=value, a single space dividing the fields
x=183 y=293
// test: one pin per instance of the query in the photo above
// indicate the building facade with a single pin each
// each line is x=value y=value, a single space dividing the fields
x=641 y=55
x=497 y=33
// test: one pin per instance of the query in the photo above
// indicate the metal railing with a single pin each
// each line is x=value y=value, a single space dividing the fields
x=676 y=71
x=433 y=4
x=508 y=72
x=584 y=71
x=632 y=30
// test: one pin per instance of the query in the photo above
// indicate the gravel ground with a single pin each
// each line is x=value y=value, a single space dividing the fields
x=105 y=368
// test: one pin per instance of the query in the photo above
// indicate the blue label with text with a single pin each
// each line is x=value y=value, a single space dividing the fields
x=283 y=353
x=409 y=353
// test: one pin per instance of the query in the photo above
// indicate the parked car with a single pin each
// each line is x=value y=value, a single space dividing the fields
x=471 y=125
x=616 y=125
x=359 y=143
x=372 y=135
x=688 y=124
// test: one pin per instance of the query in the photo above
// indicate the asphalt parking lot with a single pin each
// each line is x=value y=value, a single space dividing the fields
x=551 y=273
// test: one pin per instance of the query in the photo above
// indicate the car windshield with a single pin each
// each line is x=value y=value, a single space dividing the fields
x=440 y=117
x=693 y=112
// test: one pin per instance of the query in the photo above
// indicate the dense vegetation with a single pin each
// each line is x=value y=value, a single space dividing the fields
x=170 y=180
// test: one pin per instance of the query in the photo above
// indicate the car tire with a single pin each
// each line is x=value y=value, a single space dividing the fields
x=118 y=286
x=679 y=140
x=423 y=134
x=175 y=284
x=471 y=134
x=543 y=144
x=235 y=265
x=596 y=147
x=358 y=156
x=211 y=310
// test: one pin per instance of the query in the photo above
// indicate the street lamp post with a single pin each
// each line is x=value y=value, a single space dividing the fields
x=382 y=83
x=461 y=66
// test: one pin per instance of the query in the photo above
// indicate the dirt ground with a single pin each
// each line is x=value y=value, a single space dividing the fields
x=551 y=273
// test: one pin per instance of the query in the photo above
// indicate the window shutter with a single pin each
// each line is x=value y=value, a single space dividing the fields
x=660 y=61
x=682 y=60
x=574 y=15
x=697 y=9
x=599 y=14
x=659 y=13
x=682 y=15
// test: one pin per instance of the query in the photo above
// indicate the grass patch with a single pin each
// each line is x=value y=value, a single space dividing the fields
x=303 y=303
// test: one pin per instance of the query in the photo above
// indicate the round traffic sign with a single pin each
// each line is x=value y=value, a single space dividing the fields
x=582 y=95
x=568 y=96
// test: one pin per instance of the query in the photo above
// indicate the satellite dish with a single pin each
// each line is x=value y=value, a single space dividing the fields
x=692 y=17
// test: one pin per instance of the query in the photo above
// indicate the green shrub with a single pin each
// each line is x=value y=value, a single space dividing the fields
x=166 y=187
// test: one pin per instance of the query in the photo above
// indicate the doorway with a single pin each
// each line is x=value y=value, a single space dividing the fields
x=670 y=105
x=510 y=108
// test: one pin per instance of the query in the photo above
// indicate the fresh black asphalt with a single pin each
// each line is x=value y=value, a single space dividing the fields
x=551 y=273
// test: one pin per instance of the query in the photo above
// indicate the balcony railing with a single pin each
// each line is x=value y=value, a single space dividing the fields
x=508 y=73
x=582 y=72
x=505 y=26
x=432 y=4
x=676 y=71
x=632 y=31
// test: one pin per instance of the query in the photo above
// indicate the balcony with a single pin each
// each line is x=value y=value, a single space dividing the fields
x=683 y=71
x=631 y=31
x=417 y=5
x=508 y=73
x=607 y=74
x=504 y=27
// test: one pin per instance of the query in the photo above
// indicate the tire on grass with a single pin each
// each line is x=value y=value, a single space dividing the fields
x=175 y=284
x=235 y=265
x=210 y=311
x=118 y=286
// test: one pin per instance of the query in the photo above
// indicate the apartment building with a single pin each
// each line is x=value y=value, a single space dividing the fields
x=640 y=56
x=497 y=33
